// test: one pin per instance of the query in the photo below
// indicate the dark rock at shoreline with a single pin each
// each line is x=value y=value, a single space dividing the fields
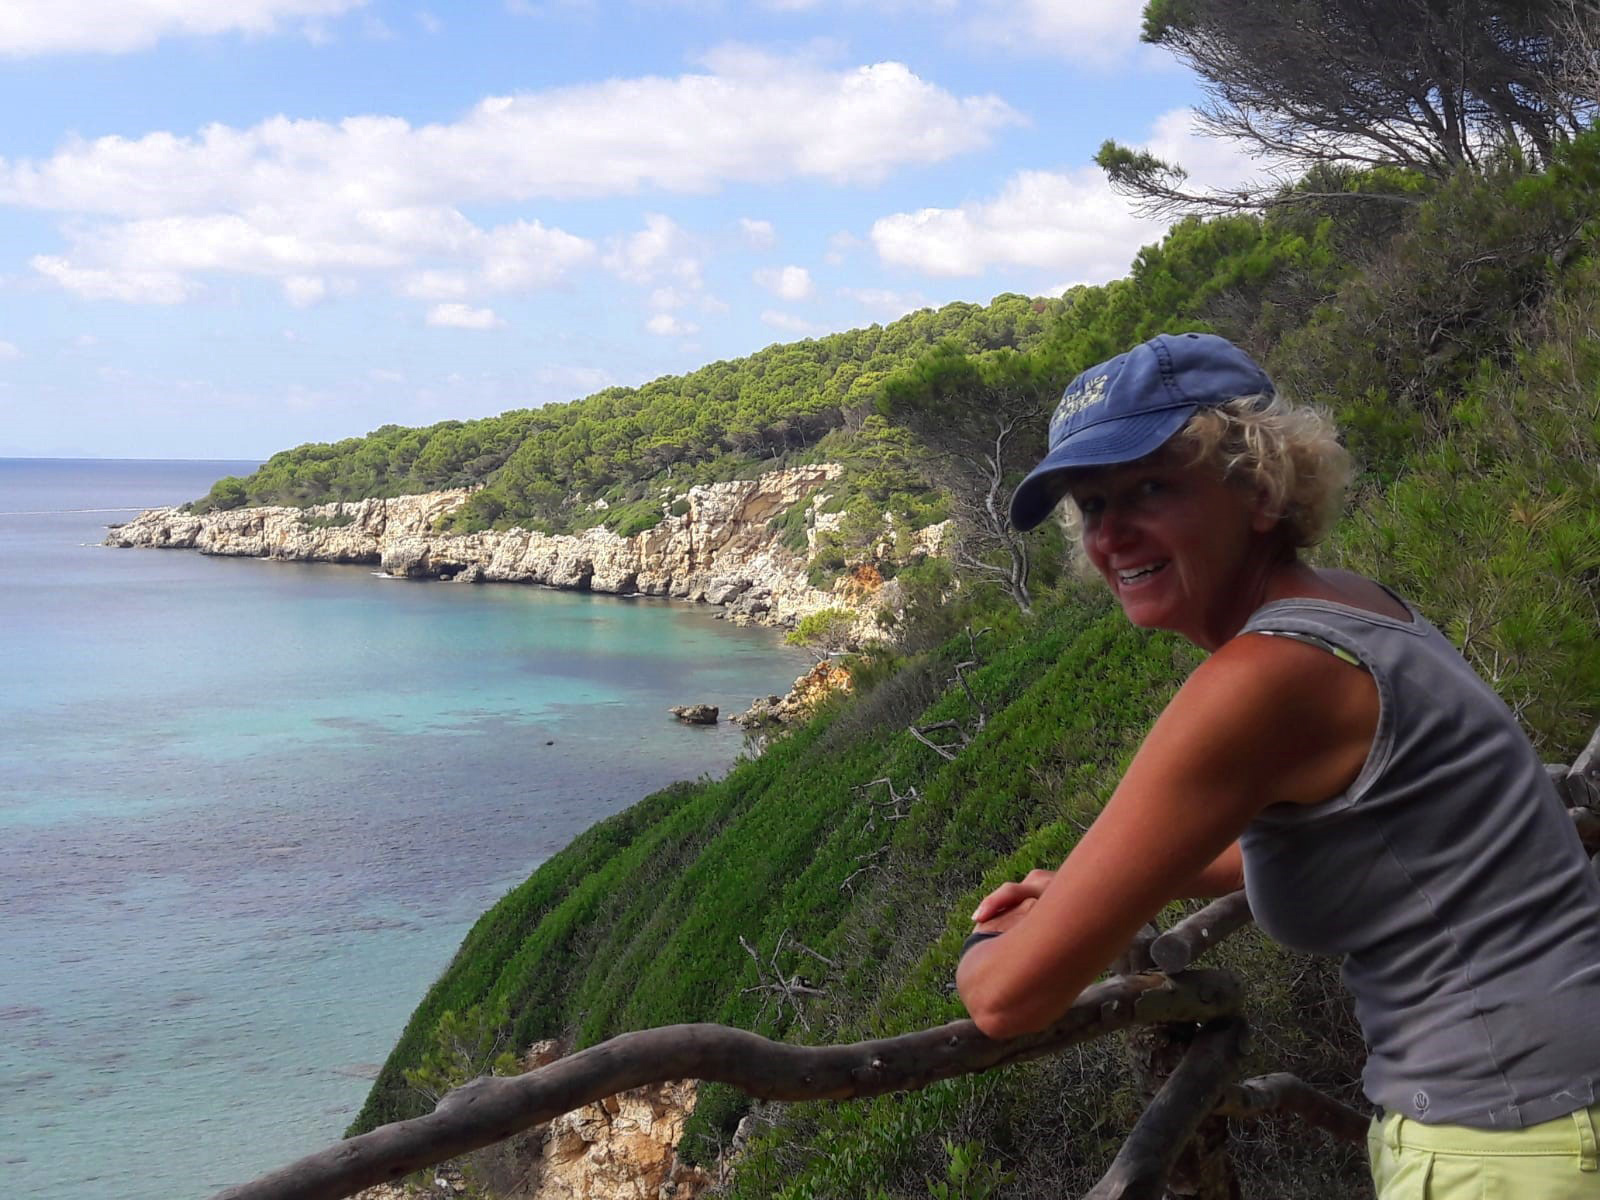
x=695 y=714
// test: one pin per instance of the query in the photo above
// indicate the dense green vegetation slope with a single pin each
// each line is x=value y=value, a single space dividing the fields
x=1458 y=342
x=725 y=421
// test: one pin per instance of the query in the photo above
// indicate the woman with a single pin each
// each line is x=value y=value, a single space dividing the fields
x=1335 y=756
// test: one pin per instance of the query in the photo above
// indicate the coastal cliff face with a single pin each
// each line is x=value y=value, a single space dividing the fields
x=721 y=551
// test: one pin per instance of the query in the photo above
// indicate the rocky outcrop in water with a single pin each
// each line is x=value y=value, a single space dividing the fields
x=722 y=550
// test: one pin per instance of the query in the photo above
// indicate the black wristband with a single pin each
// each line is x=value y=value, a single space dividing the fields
x=973 y=939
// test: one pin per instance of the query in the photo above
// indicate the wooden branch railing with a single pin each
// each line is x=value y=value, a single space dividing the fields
x=1141 y=1168
x=1200 y=1089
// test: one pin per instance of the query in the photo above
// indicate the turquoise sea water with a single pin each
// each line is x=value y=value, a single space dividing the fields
x=248 y=809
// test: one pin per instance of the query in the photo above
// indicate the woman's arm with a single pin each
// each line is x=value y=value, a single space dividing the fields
x=1264 y=720
x=1224 y=874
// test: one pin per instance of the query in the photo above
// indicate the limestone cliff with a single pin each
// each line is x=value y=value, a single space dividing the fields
x=624 y=1147
x=722 y=550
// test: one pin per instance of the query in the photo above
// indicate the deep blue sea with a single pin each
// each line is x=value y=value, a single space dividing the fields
x=248 y=809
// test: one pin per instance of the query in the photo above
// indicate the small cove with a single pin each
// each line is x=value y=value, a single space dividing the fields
x=248 y=809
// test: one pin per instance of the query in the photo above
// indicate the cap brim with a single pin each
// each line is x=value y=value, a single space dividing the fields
x=1121 y=440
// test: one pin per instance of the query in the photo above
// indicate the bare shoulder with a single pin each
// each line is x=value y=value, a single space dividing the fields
x=1276 y=718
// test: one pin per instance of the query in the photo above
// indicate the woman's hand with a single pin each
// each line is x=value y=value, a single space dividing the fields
x=1010 y=900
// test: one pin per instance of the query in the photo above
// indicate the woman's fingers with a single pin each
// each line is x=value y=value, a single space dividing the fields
x=997 y=901
x=1009 y=895
x=1007 y=918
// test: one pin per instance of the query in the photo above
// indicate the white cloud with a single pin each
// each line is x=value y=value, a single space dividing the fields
x=754 y=119
x=30 y=27
x=578 y=380
x=370 y=194
x=667 y=325
x=887 y=304
x=132 y=286
x=9 y=350
x=526 y=255
x=1070 y=224
x=462 y=316
x=663 y=249
x=1096 y=31
x=430 y=24
x=757 y=235
x=303 y=291
x=787 y=283
x=1212 y=162
x=435 y=285
x=790 y=323
x=840 y=246
x=156 y=260
x=385 y=375
x=666 y=258
x=666 y=298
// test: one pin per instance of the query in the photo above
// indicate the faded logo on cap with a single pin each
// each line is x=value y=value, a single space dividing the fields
x=1074 y=402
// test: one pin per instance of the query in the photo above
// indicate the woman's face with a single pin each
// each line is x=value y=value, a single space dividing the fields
x=1180 y=548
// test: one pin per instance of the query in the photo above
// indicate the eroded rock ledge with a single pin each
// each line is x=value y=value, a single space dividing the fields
x=721 y=551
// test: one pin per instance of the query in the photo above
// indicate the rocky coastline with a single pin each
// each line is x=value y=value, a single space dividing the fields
x=722 y=550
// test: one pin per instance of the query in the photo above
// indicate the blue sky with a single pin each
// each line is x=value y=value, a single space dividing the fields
x=231 y=226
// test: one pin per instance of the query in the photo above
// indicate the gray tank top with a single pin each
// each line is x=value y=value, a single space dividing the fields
x=1452 y=882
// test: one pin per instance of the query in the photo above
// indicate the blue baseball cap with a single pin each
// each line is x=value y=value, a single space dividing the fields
x=1129 y=406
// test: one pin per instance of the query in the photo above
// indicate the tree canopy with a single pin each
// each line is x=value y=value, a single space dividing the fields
x=1430 y=86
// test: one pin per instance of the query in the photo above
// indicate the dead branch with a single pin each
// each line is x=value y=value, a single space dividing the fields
x=943 y=751
x=1141 y=1167
x=1587 y=764
x=963 y=736
x=780 y=988
x=1285 y=1093
x=893 y=809
x=493 y=1108
x=870 y=861
x=1588 y=823
x=1195 y=934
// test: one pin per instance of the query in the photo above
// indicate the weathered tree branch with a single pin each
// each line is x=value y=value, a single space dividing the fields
x=1285 y=1093
x=1588 y=824
x=1191 y=937
x=1141 y=1167
x=493 y=1108
x=1587 y=764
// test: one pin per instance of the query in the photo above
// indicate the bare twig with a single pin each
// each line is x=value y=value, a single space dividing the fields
x=944 y=752
x=894 y=808
x=1285 y=1093
x=870 y=861
x=780 y=988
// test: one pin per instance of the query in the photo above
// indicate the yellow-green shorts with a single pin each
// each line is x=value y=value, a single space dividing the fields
x=1555 y=1160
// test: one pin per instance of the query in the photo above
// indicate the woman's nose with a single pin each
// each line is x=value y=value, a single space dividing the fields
x=1109 y=530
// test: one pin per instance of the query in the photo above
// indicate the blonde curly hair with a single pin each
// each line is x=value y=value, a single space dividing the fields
x=1289 y=451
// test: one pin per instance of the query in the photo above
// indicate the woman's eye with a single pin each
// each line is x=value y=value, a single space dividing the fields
x=1090 y=506
x=1151 y=487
